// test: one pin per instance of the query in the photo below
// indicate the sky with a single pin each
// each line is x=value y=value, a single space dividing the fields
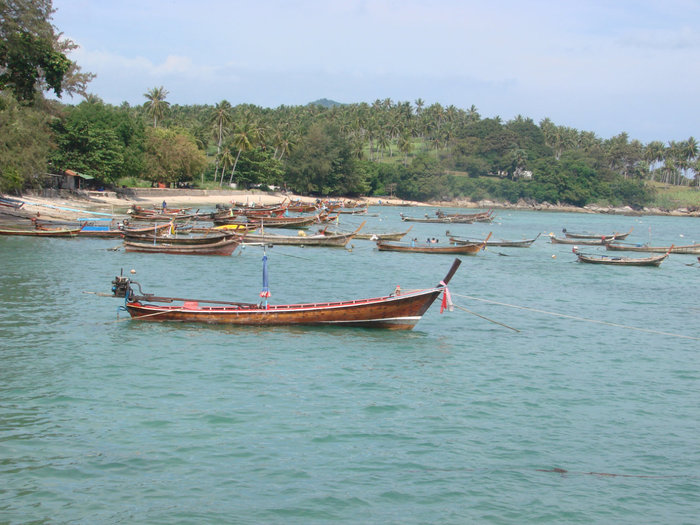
x=606 y=66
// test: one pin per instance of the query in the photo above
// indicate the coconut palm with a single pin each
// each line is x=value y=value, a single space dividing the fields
x=156 y=104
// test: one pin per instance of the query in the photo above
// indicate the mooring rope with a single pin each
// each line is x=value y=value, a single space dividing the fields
x=577 y=318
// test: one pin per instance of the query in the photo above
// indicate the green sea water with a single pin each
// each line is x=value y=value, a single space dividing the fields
x=107 y=420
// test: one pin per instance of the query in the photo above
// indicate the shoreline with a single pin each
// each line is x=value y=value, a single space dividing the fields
x=69 y=205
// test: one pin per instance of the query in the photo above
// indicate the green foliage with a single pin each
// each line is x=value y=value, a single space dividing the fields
x=323 y=164
x=171 y=155
x=27 y=54
x=24 y=144
x=258 y=167
x=98 y=140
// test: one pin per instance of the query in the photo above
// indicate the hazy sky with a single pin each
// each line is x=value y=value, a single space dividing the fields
x=605 y=66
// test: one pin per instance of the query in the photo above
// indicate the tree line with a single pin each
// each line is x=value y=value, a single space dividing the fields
x=409 y=150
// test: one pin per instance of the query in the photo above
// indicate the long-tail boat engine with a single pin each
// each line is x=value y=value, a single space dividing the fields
x=120 y=286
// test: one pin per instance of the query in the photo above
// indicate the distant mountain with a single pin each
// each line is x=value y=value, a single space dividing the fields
x=324 y=102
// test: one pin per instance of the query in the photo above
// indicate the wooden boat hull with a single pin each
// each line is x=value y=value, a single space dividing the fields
x=273 y=222
x=509 y=244
x=186 y=240
x=596 y=236
x=42 y=233
x=400 y=312
x=223 y=247
x=621 y=261
x=298 y=240
x=459 y=249
x=691 y=249
x=382 y=236
x=581 y=242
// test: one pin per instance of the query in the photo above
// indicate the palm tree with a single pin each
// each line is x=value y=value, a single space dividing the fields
x=220 y=119
x=156 y=103
x=244 y=139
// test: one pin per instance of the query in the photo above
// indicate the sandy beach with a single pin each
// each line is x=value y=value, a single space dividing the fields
x=67 y=206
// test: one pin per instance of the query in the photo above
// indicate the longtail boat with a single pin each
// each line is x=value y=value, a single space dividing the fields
x=526 y=243
x=225 y=246
x=689 y=249
x=57 y=232
x=11 y=203
x=582 y=242
x=413 y=247
x=272 y=222
x=426 y=219
x=483 y=216
x=204 y=238
x=620 y=261
x=335 y=239
x=377 y=236
x=595 y=236
x=397 y=311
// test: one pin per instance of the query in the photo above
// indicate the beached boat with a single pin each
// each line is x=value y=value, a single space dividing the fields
x=414 y=247
x=689 y=249
x=526 y=243
x=620 y=261
x=397 y=311
x=224 y=246
x=595 y=236
x=11 y=203
x=48 y=232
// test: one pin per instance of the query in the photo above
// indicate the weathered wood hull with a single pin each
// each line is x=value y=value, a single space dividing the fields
x=272 y=222
x=298 y=240
x=185 y=240
x=581 y=242
x=223 y=247
x=455 y=249
x=690 y=249
x=400 y=312
x=509 y=244
x=621 y=261
x=596 y=236
x=42 y=233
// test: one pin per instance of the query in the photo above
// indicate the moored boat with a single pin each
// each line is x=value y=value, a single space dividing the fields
x=595 y=236
x=414 y=247
x=620 y=261
x=583 y=242
x=224 y=246
x=397 y=311
x=689 y=249
x=378 y=236
x=526 y=243
x=55 y=232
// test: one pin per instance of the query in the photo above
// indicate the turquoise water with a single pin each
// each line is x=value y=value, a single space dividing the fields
x=113 y=421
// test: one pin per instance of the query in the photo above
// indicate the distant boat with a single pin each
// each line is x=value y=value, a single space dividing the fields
x=413 y=247
x=586 y=242
x=620 y=261
x=55 y=232
x=689 y=249
x=377 y=236
x=526 y=243
x=225 y=246
x=320 y=239
x=595 y=236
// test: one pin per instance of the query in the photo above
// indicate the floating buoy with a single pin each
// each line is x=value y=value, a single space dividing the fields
x=554 y=256
x=133 y=271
